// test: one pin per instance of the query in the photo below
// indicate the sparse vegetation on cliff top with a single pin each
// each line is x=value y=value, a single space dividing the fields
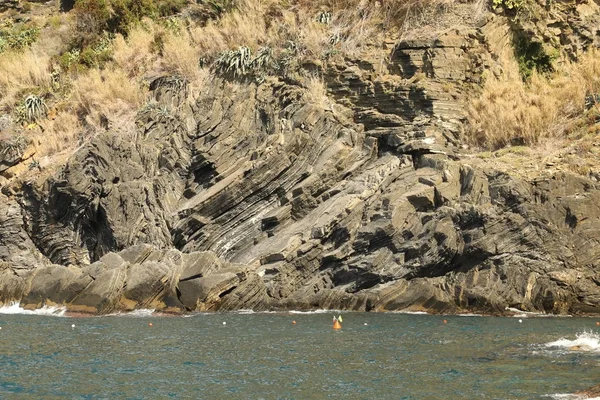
x=94 y=62
x=511 y=111
x=92 y=65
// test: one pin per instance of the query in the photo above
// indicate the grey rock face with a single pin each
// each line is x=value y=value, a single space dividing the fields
x=254 y=197
x=8 y=5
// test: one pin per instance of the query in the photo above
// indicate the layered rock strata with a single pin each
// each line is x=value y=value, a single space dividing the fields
x=257 y=196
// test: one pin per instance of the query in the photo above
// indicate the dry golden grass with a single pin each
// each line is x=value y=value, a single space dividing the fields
x=316 y=92
x=389 y=15
x=138 y=54
x=244 y=26
x=21 y=72
x=91 y=97
x=353 y=25
x=134 y=53
x=356 y=28
x=267 y=23
x=55 y=34
x=510 y=111
x=180 y=56
x=59 y=133
x=311 y=37
x=108 y=94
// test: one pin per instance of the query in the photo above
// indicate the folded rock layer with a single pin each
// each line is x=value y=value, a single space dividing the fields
x=257 y=196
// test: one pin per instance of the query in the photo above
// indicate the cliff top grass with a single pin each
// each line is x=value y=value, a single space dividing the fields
x=91 y=64
x=513 y=110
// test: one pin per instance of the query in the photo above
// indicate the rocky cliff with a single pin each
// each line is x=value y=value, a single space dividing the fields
x=256 y=196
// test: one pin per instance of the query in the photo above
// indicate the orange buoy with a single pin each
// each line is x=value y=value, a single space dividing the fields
x=150 y=324
x=337 y=325
x=293 y=322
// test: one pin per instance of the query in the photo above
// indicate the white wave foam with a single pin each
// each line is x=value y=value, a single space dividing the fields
x=275 y=312
x=410 y=312
x=564 y=396
x=585 y=341
x=142 y=312
x=315 y=312
x=15 y=308
x=526 y=314
x=245 y=312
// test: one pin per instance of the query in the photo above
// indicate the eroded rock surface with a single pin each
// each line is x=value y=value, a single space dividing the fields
x=256 y=196
x=590 y=393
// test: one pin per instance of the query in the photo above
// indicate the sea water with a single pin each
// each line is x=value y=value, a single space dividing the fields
x=266 y=356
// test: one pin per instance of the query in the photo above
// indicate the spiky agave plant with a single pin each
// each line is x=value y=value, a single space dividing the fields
x=233 y=63
x=263 y=63
x=592 y=100
x=263 y=60
x=35 y=108
x=172 y=83
x=34 y=164
x=288 y=58
x=334 y=38
x=16 y=144
x=324 y=17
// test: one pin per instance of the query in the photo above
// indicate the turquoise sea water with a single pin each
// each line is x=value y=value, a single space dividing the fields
x=265 y=356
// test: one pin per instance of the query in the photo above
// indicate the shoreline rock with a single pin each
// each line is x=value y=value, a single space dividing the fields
x=254 y=196
x=591 y=392
x=114 y=285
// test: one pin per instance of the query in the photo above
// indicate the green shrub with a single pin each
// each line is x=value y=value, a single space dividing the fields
x=218 y=7
x=17 y=37
x=512 y=5
x=531 y=56
x=92 y=18
x=90 y=58
x=69 y=58
x=170 y=7
x=95 y=54
x=129 y=12
x=117 y=16
x=97 y=12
